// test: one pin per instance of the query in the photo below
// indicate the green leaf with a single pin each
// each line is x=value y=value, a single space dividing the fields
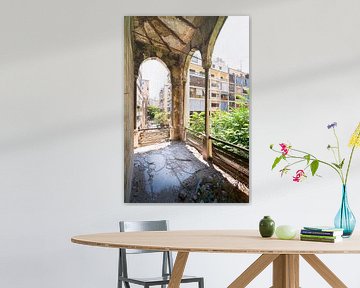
x=276 y=162
x=342 y=163
x=307 y=157
x=336 y=165
x=314 y=166
x=271 y=146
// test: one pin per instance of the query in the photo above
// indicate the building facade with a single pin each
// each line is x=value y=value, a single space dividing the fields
x=229 y=87
x=165 y=97
x=142 y=99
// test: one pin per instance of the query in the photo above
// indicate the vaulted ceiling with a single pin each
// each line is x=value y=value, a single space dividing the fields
x=175 y=34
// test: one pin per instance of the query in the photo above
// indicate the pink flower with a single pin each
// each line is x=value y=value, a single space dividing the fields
x=284 y=148
x=300 y=174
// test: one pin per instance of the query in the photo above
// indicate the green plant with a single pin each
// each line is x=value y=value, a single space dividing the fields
x=152 y=110
x=310 y=162
x=232 y=126
x=197 y=122
x=161 y=118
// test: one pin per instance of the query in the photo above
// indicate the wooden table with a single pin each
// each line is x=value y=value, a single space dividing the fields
x=284 y=254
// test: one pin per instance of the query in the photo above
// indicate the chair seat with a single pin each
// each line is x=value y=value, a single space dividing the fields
x=158 y=280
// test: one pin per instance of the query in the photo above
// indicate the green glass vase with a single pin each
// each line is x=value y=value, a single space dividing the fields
x=266 y=227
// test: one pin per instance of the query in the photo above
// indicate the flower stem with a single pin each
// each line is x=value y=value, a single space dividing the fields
x=348 y=168
x=337 y=144
x=304 y=152
x=320 y=161
x=339 y=156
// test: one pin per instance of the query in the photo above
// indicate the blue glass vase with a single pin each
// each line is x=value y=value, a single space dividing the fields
x=345 y=219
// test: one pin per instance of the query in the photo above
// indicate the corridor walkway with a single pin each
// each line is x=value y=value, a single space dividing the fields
x=175 y=172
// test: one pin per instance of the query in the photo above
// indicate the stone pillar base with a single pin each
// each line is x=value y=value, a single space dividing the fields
x=174 y=134
x=136 y=138
x=207 y=149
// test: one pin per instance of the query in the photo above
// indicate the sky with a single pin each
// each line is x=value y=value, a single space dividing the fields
x=156 y=72
x=232 y=45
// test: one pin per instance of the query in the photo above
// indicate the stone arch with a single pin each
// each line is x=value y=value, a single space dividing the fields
x=169 y=75
x=149 y=58
x=209 y=48
x=188 y=60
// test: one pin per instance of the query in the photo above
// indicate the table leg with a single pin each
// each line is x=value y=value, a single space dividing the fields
x=253 y=270
x=286 y=271
x=178 y=269
x=324 y=271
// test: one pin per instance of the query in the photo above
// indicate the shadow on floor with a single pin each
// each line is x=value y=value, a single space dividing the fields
x=174 y=172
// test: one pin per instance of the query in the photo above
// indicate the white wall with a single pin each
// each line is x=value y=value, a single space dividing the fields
x=61 y=133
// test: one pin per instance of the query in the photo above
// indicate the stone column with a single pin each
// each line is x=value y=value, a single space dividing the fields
x=184 y=111
x=177 y=103
x=207 y=148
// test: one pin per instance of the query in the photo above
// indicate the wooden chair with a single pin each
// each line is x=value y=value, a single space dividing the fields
x=167 y=262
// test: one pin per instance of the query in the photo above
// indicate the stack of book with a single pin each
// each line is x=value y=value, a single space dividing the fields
x=321 y=234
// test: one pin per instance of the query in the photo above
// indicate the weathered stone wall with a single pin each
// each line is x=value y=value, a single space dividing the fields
x=129 y=96
x=149 y=137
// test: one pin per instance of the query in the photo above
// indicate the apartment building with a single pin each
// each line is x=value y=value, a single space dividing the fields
x=165 y=97
x=228 y=87
x=142 y=98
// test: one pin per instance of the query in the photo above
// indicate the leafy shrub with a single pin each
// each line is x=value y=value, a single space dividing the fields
x=232 y=126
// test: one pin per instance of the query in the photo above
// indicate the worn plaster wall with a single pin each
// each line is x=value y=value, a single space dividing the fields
x=62 y=134
x=129 y=105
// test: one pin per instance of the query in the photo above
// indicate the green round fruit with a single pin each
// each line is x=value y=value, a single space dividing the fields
x=285 y=232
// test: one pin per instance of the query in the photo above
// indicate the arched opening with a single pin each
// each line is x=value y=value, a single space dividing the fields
x=195 y=87
x=229 y=82
x=173 y=171
x=153 y=103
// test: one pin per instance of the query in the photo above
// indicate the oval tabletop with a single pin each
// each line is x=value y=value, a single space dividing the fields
x=220 y=241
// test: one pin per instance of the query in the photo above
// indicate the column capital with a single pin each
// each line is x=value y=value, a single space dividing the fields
x=206 y=66
x=206 y=63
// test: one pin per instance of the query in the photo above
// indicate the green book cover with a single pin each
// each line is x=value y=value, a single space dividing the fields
x=319 y=236
x=321 y=240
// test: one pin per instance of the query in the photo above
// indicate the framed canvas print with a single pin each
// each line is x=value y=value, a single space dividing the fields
x=186 y=103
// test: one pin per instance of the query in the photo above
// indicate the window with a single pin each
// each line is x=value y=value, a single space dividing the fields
x=200 y=92
x=224 y=96
x=215 y=105
x=215 y=84
x=212 y=75
x=213 y=95
x=192 y=71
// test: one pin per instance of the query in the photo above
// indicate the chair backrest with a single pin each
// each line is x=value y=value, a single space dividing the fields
x=138 y=226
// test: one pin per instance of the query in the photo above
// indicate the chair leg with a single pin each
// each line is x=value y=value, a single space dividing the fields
x=201 y=283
